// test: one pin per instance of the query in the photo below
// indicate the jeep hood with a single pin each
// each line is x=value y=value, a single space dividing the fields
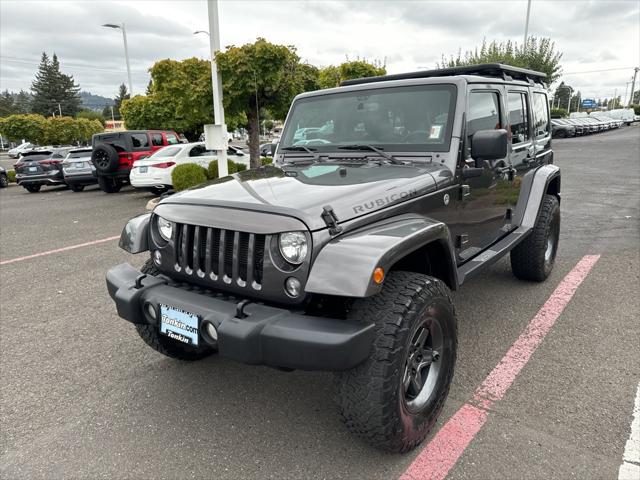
x=302 y=191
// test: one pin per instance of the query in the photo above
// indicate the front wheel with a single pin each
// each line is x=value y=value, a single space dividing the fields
x=163 y=344
x=394 y=398
x=534 y=257
x=4 y=182
x=75 y=187
x=109 y=184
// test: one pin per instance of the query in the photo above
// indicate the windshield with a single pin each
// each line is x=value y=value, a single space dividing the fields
x=415 y=118
x=167 y=152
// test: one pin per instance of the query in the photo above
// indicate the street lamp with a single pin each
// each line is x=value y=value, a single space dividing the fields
x=526 y=26
x=126 y=51
x=215 y=134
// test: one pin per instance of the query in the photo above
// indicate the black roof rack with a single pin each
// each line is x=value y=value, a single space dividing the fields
x=500 y=70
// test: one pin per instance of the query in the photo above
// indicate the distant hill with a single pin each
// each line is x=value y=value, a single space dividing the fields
x=95 y=102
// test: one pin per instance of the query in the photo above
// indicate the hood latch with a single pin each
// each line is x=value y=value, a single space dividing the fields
x=331 y=220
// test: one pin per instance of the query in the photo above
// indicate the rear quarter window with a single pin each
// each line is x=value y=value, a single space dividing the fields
x=540 y=115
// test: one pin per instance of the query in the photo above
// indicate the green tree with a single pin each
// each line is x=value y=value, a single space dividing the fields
x=7 y=106
x=635 y=97
x=260 y=75
x=331 y=76
x=22 y=102
x=539 y=55
x=180 y=99
x=91 y=115
x=53 y=91
x=122 y=95
x=28 y=127
x=60 y=131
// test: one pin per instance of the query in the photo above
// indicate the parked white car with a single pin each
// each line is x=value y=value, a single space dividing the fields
x=20 y=149
x=154 y=172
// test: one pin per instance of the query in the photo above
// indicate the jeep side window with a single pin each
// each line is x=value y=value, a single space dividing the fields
x=156 y=140
x=483 y=114
x=540 y=115
x=518 y=117
x=139 y=140
x=172 y=139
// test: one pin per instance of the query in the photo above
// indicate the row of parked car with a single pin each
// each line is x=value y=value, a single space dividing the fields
x=570 y=127
x=143 y=158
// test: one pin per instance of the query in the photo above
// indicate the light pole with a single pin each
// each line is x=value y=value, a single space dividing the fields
x=633 y=85
x=216 y=135
x=126 y=51
x=526 y=26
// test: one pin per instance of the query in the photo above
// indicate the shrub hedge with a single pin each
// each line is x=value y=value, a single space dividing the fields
x=11 y=176
x=188 y=175
x=212 y=171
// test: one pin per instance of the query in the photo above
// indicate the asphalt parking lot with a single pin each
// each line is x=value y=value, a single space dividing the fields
x=83 y=397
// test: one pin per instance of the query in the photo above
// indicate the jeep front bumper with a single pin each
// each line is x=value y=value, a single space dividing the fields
x=265 y=335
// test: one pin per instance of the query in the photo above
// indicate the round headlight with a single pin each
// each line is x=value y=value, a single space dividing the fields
x=293 y=247
x=165 y=227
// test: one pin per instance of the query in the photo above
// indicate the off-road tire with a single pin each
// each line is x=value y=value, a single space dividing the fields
x=75 y=187
x=105 y=158
x=109 y=184
x=529 y=260
x=4 y=182
x=370 y=397
x=163 y=344
x=33 y=188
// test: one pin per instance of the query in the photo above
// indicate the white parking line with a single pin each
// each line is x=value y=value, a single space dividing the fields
x=630 y=468
x=58 y=250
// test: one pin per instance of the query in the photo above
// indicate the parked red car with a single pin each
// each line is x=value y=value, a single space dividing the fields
x=114 y=153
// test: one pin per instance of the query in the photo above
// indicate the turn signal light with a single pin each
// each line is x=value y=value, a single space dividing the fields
x=378 y=275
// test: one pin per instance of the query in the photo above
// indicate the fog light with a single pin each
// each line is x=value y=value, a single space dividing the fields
x=151 y=311
x=211 y=331
x=157 y=257
x=292 y=286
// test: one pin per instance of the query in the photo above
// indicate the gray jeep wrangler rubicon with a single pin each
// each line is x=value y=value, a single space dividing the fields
x=341 y=257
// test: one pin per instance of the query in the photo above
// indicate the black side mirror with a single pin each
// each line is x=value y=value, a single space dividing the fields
x=488 y=145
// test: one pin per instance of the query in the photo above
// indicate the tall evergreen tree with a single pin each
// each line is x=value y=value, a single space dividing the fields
x=53 y=91
x=22 y=102
x=7 y=106
x=117 y=102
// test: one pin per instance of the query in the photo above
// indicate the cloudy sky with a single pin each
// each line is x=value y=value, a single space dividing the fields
x=408 y=35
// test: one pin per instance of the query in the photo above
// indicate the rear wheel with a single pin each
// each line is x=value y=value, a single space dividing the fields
x=109 y=184
x=75 y=187
x=165 y=345
x=534 y=257
x=394 y=398
x=33 y=188
x=3 y=181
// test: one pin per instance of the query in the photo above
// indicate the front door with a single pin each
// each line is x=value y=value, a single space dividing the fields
x=482 y=211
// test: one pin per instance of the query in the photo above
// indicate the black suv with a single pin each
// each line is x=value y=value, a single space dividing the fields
x=342 y=255
x=40 y=167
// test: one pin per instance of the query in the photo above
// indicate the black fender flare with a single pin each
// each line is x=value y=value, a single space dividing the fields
x=535 y=185
x=345 y=266
x=135 y=234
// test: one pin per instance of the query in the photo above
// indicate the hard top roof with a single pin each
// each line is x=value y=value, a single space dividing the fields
x=495 y=70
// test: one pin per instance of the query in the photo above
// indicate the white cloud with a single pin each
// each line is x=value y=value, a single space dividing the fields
x=410 y=35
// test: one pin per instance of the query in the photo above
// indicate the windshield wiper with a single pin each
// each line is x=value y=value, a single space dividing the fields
x=379 y=151
x=302 y=148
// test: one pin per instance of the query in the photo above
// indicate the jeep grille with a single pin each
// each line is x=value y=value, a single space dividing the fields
x=218 y=255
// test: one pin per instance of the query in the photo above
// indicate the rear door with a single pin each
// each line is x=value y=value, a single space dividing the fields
x=541 y=127
x=522 y=158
